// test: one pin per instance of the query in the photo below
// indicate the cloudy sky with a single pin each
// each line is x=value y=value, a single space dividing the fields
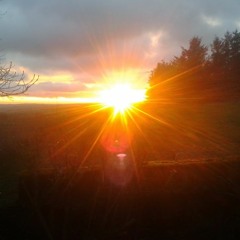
x=74 y=44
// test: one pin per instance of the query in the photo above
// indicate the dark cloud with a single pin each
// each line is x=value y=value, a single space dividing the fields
x=80 y=36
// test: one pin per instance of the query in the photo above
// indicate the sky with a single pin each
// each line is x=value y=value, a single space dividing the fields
x=76 y=46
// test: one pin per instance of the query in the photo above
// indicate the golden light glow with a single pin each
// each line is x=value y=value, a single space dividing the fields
x=121 y=96
x=121 y=89
x=46 y=100
x=58 y=78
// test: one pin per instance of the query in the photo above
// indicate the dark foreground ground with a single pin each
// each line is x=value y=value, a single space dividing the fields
x=172 y=201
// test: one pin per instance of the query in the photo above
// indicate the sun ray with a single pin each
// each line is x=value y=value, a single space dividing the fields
x=175 y=77
x=153 y=117
x=136 y=123
x=89 y=151
x=96 y=108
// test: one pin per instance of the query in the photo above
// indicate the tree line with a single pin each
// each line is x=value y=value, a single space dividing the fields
x=200 y=72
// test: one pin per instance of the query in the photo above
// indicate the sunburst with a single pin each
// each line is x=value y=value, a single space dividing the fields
x=121 y=96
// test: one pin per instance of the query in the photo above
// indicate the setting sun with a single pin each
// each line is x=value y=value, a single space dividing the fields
x=121 y=96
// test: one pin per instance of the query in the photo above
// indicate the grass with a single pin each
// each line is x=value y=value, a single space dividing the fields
x=171 y=201
x=187 y=189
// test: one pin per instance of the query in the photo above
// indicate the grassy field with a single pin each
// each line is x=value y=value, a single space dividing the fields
x=193 y=130
x=173 y=201
x=186 y=184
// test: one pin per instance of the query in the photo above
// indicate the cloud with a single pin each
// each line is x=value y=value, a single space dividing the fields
x=211 y=21
x=52 y=89
x=89 y=36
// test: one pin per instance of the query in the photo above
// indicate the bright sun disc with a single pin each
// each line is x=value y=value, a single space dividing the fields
x=121 y=96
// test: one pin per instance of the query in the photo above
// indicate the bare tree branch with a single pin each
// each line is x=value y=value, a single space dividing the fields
x=13 y=84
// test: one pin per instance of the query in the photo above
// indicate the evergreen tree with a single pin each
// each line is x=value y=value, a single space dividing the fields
x=194 y=56
x=235 y=54
x=217 y=56
x=194 y=73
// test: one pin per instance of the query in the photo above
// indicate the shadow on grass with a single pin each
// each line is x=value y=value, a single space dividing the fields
x=175 y=201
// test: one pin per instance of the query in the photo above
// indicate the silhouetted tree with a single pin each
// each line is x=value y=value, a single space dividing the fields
x=178 y=78
x=163 y=71
x=13 y=84
x=219 y=60
x=234 y=60
x=225 y=60
x=194 y=56
x=217 y=49
x=159 y=78
x=196 y=74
